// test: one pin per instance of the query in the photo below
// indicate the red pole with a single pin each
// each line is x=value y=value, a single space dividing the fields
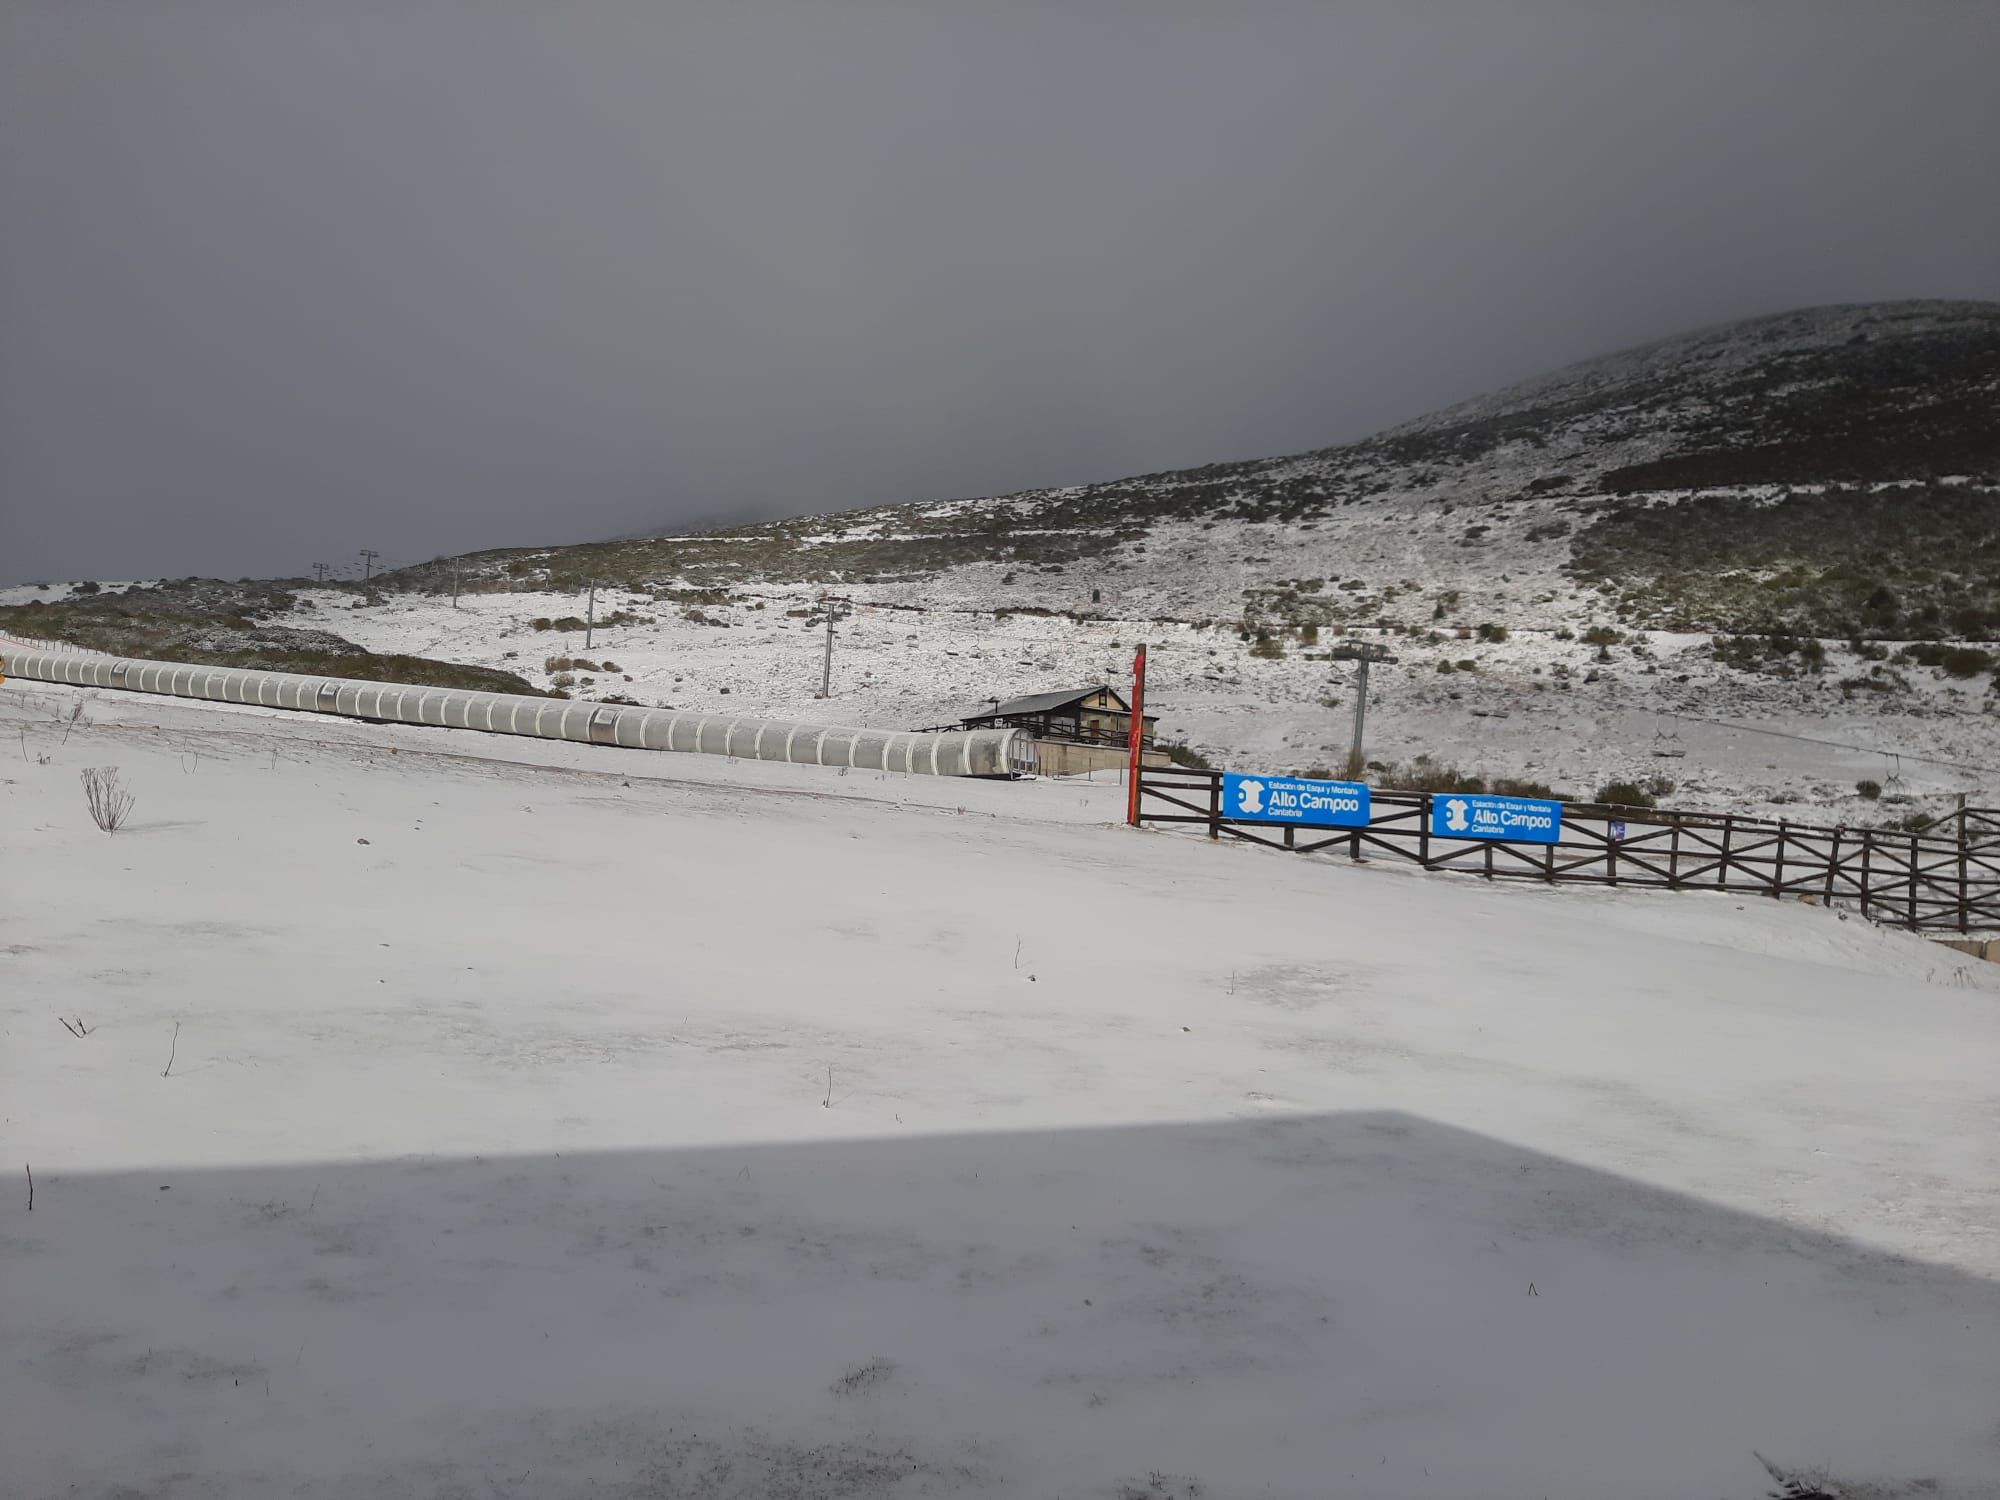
x=1138 y=735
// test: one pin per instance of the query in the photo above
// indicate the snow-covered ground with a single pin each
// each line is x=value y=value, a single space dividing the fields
x=1537 y=706
x=456 y=1115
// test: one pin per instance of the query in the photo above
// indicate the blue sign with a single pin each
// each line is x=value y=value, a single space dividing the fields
x=1291 y=799
x=1617 y=831
x=1528 y=820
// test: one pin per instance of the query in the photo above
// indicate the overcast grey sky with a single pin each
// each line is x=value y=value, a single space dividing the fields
x=279 y=281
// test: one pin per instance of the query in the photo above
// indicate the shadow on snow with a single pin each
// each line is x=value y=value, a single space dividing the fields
x=1337 y=1304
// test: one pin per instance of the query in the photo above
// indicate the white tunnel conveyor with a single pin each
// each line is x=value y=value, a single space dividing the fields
x=967 y=752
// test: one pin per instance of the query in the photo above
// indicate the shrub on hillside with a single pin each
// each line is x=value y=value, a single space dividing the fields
x=1425 y=775
x=1515 y=786
x=1625 y=794
x=1773 y=654
x=1965 y=662
x=1867 y=789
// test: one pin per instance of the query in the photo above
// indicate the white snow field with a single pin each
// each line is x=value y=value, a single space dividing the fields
x=1735 y=741
x=453 y=1116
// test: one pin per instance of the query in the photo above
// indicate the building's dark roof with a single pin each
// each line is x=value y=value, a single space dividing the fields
x=1043 y=703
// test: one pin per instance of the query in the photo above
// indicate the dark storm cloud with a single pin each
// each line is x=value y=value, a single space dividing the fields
x=279 y=281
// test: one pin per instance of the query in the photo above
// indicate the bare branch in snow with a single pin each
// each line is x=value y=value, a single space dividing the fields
x=110 y=804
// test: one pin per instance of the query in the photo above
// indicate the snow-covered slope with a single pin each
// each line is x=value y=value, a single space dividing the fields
x=447 y=1116
x=1481 y=499
x=1831 y=474
x=1610 y=573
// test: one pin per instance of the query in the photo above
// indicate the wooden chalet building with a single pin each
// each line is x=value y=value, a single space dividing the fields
x=1097 y=721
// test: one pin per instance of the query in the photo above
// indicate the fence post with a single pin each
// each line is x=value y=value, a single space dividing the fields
x=1215 y=804
x=1913 y=882
x=1138 y=731
x=1610 y=854
x=1424 y=829
x=1722 y=865
x=1778 y=868
x=1964 y=888
x=1867 y=849
x=1832 y=864
x=1674 y=855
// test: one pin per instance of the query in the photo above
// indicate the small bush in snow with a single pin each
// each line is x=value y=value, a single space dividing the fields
x=1867 y=789
x=109 y=803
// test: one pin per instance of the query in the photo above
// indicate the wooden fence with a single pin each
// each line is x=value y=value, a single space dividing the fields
x=1946 y=878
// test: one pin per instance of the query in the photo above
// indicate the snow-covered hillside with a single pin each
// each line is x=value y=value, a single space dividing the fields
x=446 y=1115
x=1731 y=561
x=1532 y=705
x=1482 y=500
x=1834 y=473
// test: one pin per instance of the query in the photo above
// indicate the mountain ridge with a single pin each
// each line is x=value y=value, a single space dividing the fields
x=1486 y=499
